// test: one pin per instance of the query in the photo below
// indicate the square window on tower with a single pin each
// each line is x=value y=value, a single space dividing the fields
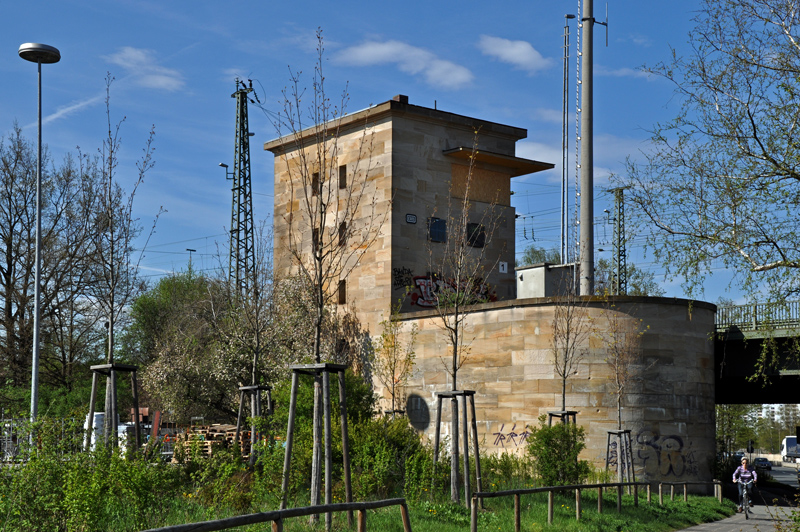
x=437 y=230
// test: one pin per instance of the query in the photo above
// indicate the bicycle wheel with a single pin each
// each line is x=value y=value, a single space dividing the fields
x=746 y=504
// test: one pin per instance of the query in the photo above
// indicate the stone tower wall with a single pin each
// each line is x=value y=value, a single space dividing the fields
x=670 y=411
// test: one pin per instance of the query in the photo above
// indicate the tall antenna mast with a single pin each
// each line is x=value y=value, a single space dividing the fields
x=565 y=149
x=241 y=263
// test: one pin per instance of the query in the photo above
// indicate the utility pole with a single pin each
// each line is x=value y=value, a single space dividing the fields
x=619 y=285
x=586 y=248
x=241 y=263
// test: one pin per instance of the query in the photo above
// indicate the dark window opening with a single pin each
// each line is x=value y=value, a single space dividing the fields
x=437 y=230
x=476 y=235
x=342 y=234
x=343 y=292
x=343 y=176
x=316 y=185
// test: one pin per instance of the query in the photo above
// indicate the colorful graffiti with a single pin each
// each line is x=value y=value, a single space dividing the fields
x=430 y=288
x=512 y=437
x=666 y=456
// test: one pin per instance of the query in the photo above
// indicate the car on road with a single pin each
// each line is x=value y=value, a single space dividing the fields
x=762 y=463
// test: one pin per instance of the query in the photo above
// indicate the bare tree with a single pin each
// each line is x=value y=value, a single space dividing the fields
x=332 y=217
x=571 y=331
x=394 y=359
x=461 y=263
x=114 y=261
x=622 y=336
x=69 y=326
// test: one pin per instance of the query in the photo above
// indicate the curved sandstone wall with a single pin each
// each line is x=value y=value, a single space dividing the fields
x=670 y=411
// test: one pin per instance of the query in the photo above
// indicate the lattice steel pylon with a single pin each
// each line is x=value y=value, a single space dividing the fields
x=619 y=285
x=241 y=263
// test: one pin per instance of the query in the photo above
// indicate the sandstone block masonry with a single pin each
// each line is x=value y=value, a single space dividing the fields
x=509 y=364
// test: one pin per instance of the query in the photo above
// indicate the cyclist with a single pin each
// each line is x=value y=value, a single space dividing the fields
x=745 y=474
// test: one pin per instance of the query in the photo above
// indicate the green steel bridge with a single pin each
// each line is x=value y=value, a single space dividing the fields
x=758 y=338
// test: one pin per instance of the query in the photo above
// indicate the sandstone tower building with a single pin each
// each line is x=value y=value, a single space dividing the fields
x=413 y=160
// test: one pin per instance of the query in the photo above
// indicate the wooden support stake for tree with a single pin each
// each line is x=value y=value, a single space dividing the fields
x=326 y=398
x=685 y=492
x=87 y=444
x=619 y=498
x=650 y=494
x=467 y=486
x=517 y=512
x=577 y=504
x=660 y=494
x=672 y=492
x=348 y=488
x=437 y=433
x=454 y=496
x=287 y=457
x=253 y=433
x=316 y=455
x=277 y=525
x=239 y=420
x=113 y=423
x=136 y=430
x=600 y=499
x=475 y=441
x=636 y=495
x=549 y=507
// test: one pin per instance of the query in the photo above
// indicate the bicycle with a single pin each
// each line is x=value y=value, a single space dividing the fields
x=746 y=498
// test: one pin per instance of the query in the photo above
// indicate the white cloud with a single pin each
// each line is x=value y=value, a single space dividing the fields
x=409 y=59
x=72 y=108
x=142 y=66
x=624 y=72
x=520 y=54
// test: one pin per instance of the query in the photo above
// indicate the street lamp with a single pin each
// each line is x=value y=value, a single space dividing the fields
x=39 y=54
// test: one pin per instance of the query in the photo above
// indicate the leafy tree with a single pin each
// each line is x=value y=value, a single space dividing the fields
x=720 y=187
x=735 y=426
x=534 y=254
x=640 y=282
x=394 y=360
x=555 y=449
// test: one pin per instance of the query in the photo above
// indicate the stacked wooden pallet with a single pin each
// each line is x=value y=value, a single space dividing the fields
x=209 y=438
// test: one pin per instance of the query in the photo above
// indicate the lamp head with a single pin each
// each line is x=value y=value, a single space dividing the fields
x=39 y=53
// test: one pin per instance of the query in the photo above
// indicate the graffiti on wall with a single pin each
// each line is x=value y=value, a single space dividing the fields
x=613 y=459
x=430 y=287
x=402 y=278
x=510 y=437
x=666 y=456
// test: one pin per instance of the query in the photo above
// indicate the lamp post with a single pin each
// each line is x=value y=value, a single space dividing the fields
x=39 y=54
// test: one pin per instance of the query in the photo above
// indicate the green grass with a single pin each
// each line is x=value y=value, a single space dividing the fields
x=499 y=516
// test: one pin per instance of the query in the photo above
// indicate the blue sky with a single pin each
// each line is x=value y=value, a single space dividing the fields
x=175 y=64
